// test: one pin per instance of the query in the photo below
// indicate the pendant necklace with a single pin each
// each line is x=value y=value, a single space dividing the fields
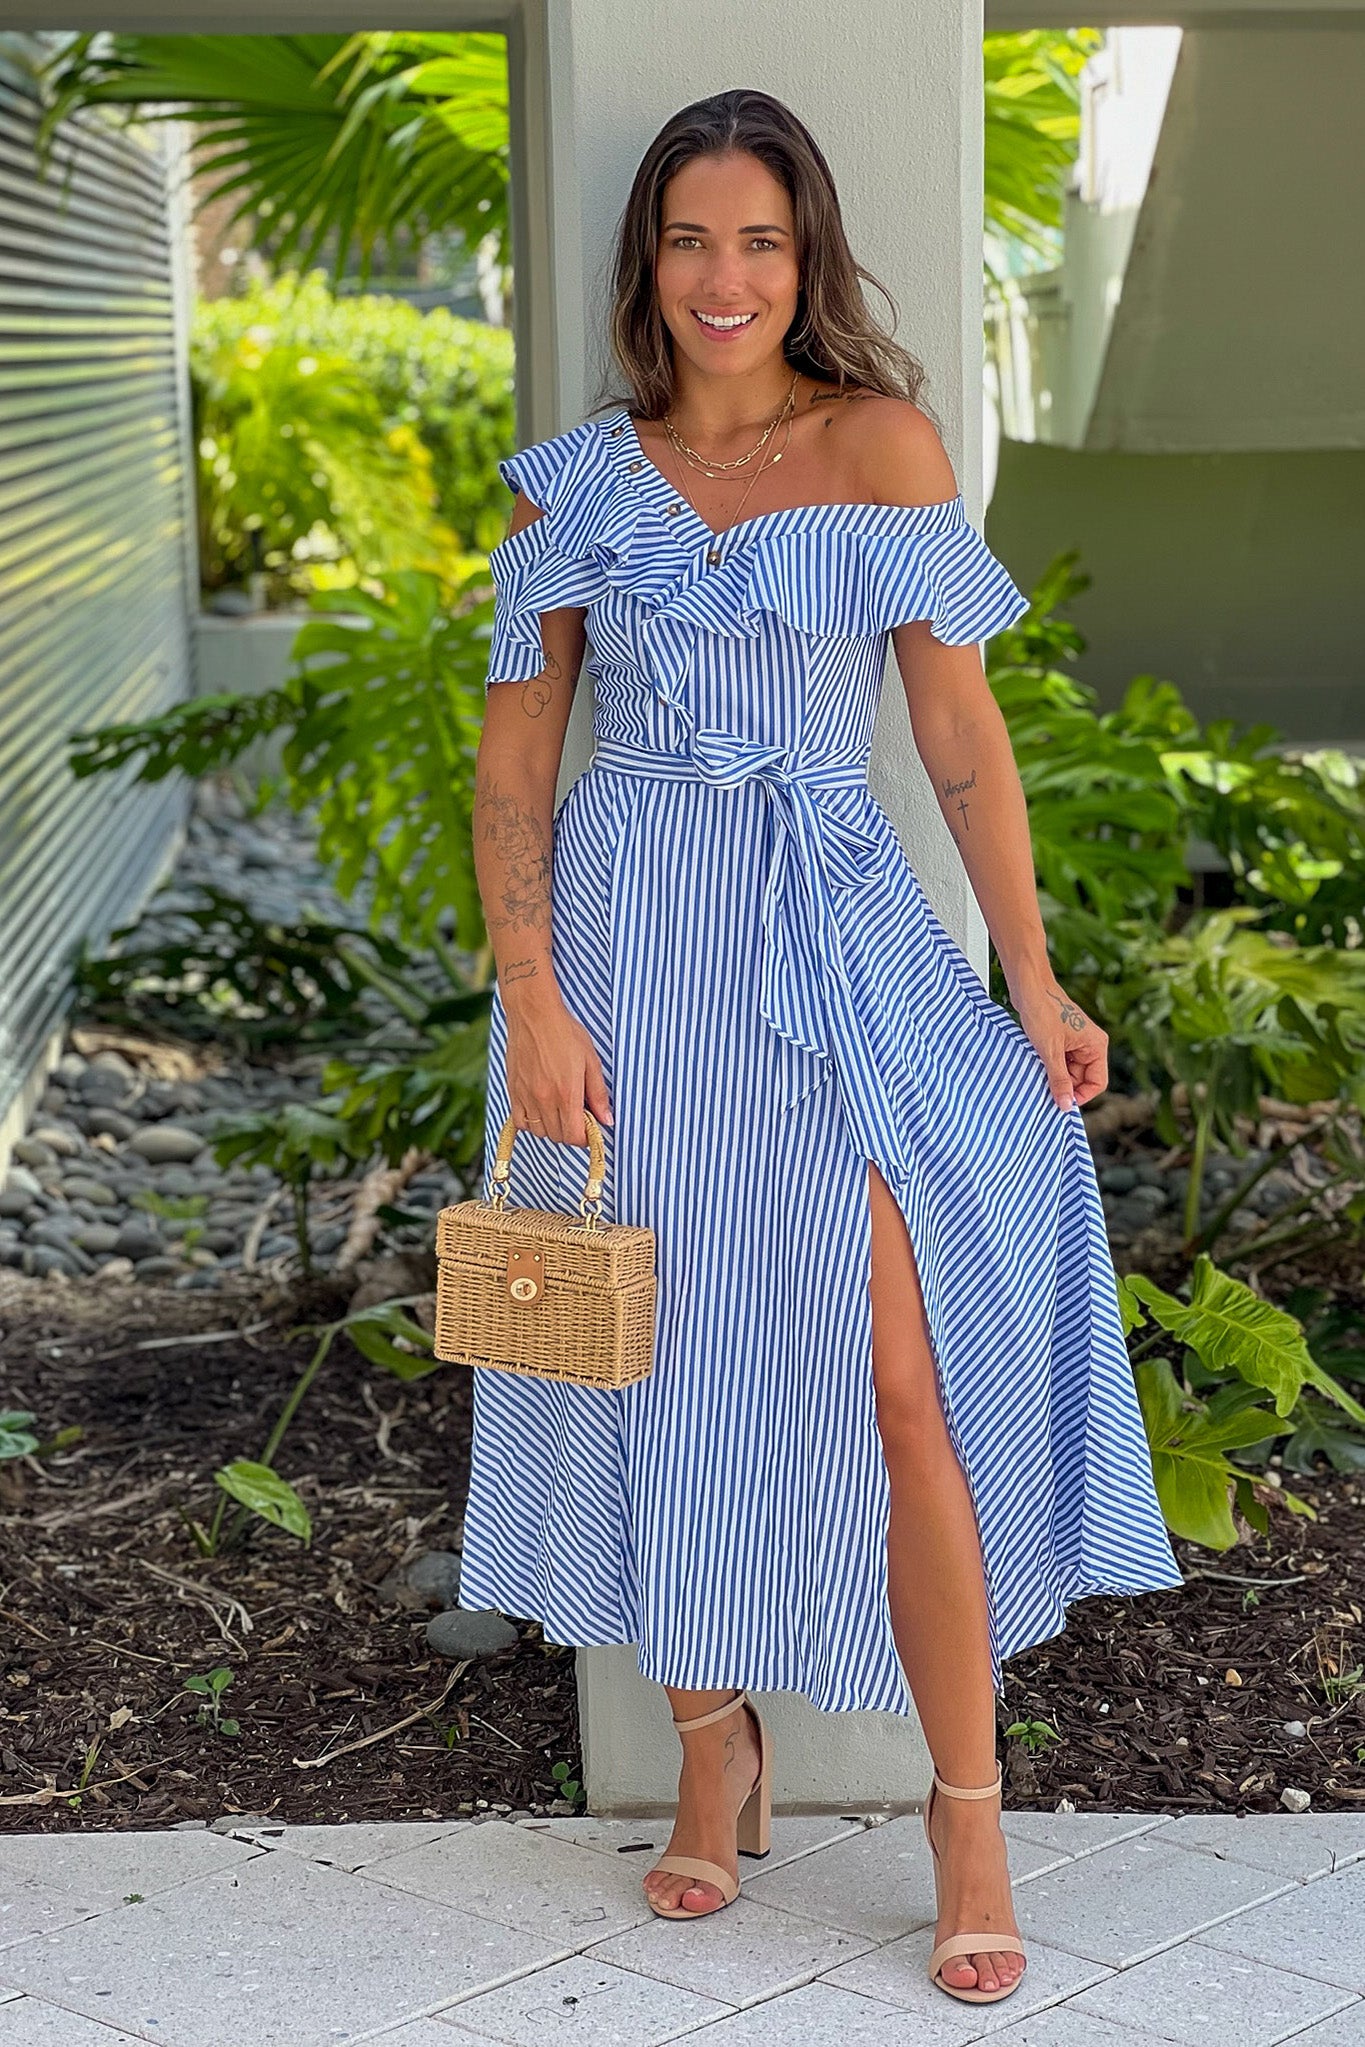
x=694 y=461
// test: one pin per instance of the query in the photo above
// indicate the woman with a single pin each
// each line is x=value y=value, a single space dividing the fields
x=890 y=1428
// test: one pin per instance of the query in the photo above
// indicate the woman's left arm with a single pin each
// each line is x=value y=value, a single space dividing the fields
x=965 y=746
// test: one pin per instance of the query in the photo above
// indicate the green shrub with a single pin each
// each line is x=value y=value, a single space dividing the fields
x=426 y=390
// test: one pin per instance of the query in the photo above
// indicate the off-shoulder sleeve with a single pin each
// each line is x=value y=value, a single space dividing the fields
x=535 y=569
x=944 y=572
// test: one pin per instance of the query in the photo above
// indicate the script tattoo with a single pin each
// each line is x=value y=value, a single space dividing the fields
x=519 y=840
x=959 y=789
x=536 y=694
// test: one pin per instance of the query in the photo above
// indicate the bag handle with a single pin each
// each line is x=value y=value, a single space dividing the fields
x=590 y=1201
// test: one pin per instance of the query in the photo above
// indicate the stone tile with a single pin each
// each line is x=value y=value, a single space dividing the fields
x=1347 y=2029
x=26 y=2023
x=27 y=1909
x=880 y=1882
x=279 y=1952
x=567 y=1895
x=1063 y=2027
x=421 y=2033
x=792 y=1834
x=582 y=1998
x=1077 y=1833
x=350 y=1847
x=1317 y=1930
x=1123 y=1903
x=1291 y=1844
x=819 y=2015
x=897 y=1974
x=1193 y=1994
x=101 y=1869
x=747 y=1952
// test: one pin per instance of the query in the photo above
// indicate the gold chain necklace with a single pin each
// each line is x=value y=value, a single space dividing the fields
x=713 y=553
x=715 y=469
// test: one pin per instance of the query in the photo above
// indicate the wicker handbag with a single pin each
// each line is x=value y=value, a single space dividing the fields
x=533 y=1290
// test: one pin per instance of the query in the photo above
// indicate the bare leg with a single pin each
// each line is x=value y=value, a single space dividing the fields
x=719 y=1765
x=937 y=1592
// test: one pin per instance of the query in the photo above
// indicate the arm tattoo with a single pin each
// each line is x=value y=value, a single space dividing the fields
x=518 y=838
x=536 y=693
x=959 y=789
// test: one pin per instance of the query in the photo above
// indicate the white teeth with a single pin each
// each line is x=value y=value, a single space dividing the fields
x=733 y=320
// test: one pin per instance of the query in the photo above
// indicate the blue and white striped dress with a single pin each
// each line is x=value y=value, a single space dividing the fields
x=774 y=1003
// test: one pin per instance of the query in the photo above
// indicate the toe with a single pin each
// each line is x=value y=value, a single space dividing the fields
x=960 y=1973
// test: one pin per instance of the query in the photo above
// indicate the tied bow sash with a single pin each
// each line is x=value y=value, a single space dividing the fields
x=819 y=860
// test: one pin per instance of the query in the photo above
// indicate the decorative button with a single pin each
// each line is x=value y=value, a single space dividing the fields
x=676 y=506
x=713 y=555
x=635 y=467
x=617 y=430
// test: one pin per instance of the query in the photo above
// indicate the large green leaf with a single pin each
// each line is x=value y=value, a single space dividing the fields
x=1231 y=1329
x=261 y=1489
x=1194 y=1479
x=355 y=141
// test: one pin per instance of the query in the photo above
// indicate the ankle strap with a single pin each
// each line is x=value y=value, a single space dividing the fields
x=718 y=1713
x=976 y=1791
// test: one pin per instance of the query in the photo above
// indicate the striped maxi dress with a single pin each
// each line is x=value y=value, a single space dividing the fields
x=775 y=1003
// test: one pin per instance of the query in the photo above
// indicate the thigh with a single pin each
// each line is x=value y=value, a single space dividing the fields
x=908 y=1404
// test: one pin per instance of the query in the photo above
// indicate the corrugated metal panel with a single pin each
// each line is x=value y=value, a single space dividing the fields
x=93 y=541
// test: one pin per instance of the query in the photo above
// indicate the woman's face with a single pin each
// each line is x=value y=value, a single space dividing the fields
x=727 y=248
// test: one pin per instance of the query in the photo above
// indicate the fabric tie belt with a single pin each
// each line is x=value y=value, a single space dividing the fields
x=819 y=860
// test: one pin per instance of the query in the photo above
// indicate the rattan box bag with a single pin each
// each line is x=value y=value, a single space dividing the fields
x=535 y=1290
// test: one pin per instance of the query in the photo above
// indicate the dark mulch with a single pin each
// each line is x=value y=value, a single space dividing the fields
x=106 y=1607
x=1179 y=1700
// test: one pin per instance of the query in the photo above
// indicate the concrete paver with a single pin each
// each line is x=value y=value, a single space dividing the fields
x=584 y=1999
x=454 y=1933
x=1123 y=1903
x=1193 y=1993
x=279 y=1952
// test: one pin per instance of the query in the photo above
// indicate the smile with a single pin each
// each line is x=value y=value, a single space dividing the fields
x=724 y=323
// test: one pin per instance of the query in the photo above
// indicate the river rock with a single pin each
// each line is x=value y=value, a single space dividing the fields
x=157 y=1267
x=436 y=1574
x=112 y=1123
x=84 y=1187
x=468 y=1632
x=65 y=1143
x=138 y=1240
x=31 y=1151
x=105 y=1087
x=167 y=1144
x=18 y=1191
x=96 y=1237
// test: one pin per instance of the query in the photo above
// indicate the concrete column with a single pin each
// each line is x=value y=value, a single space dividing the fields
x=897 y=110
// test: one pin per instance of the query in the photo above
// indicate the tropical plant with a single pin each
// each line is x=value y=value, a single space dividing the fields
x=1032 y=129
x=380 y=716
x=349 y=142
x=1247 y=1349
x=1233 y=1012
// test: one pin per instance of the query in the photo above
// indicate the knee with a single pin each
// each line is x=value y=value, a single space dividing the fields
x=910 y=1420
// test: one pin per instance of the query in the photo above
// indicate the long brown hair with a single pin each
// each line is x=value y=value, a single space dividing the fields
x=833 y=335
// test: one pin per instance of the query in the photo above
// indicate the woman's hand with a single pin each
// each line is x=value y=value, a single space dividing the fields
x=1074 y=1051
x=553 y=1074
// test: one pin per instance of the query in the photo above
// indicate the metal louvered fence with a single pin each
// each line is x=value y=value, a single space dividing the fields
x=96 y=534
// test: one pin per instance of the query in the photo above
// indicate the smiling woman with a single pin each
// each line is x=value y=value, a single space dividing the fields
x=890 y=1429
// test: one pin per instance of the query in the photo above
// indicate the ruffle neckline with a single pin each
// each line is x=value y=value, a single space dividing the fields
x=850 y=570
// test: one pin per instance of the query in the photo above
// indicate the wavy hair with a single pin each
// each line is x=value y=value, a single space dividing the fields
x=833 y=336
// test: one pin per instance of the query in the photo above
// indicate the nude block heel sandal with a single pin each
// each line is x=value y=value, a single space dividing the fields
x=752 y=1828
x=967 y=1943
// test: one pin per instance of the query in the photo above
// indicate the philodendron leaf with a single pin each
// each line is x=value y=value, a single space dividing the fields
x=262 y=1490
x=1194 y=1479
x=1231 y=1329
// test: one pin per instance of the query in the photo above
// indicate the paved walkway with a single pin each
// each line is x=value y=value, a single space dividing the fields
x=453 y=1934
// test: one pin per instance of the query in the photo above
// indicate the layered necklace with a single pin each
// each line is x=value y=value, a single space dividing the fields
x=718 y=472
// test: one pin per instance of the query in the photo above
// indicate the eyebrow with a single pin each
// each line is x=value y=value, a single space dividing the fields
x=762 y=227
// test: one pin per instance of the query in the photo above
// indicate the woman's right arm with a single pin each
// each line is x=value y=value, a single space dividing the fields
x=552 y=1066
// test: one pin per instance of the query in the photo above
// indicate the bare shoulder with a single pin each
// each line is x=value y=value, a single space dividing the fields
x=899 y=454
